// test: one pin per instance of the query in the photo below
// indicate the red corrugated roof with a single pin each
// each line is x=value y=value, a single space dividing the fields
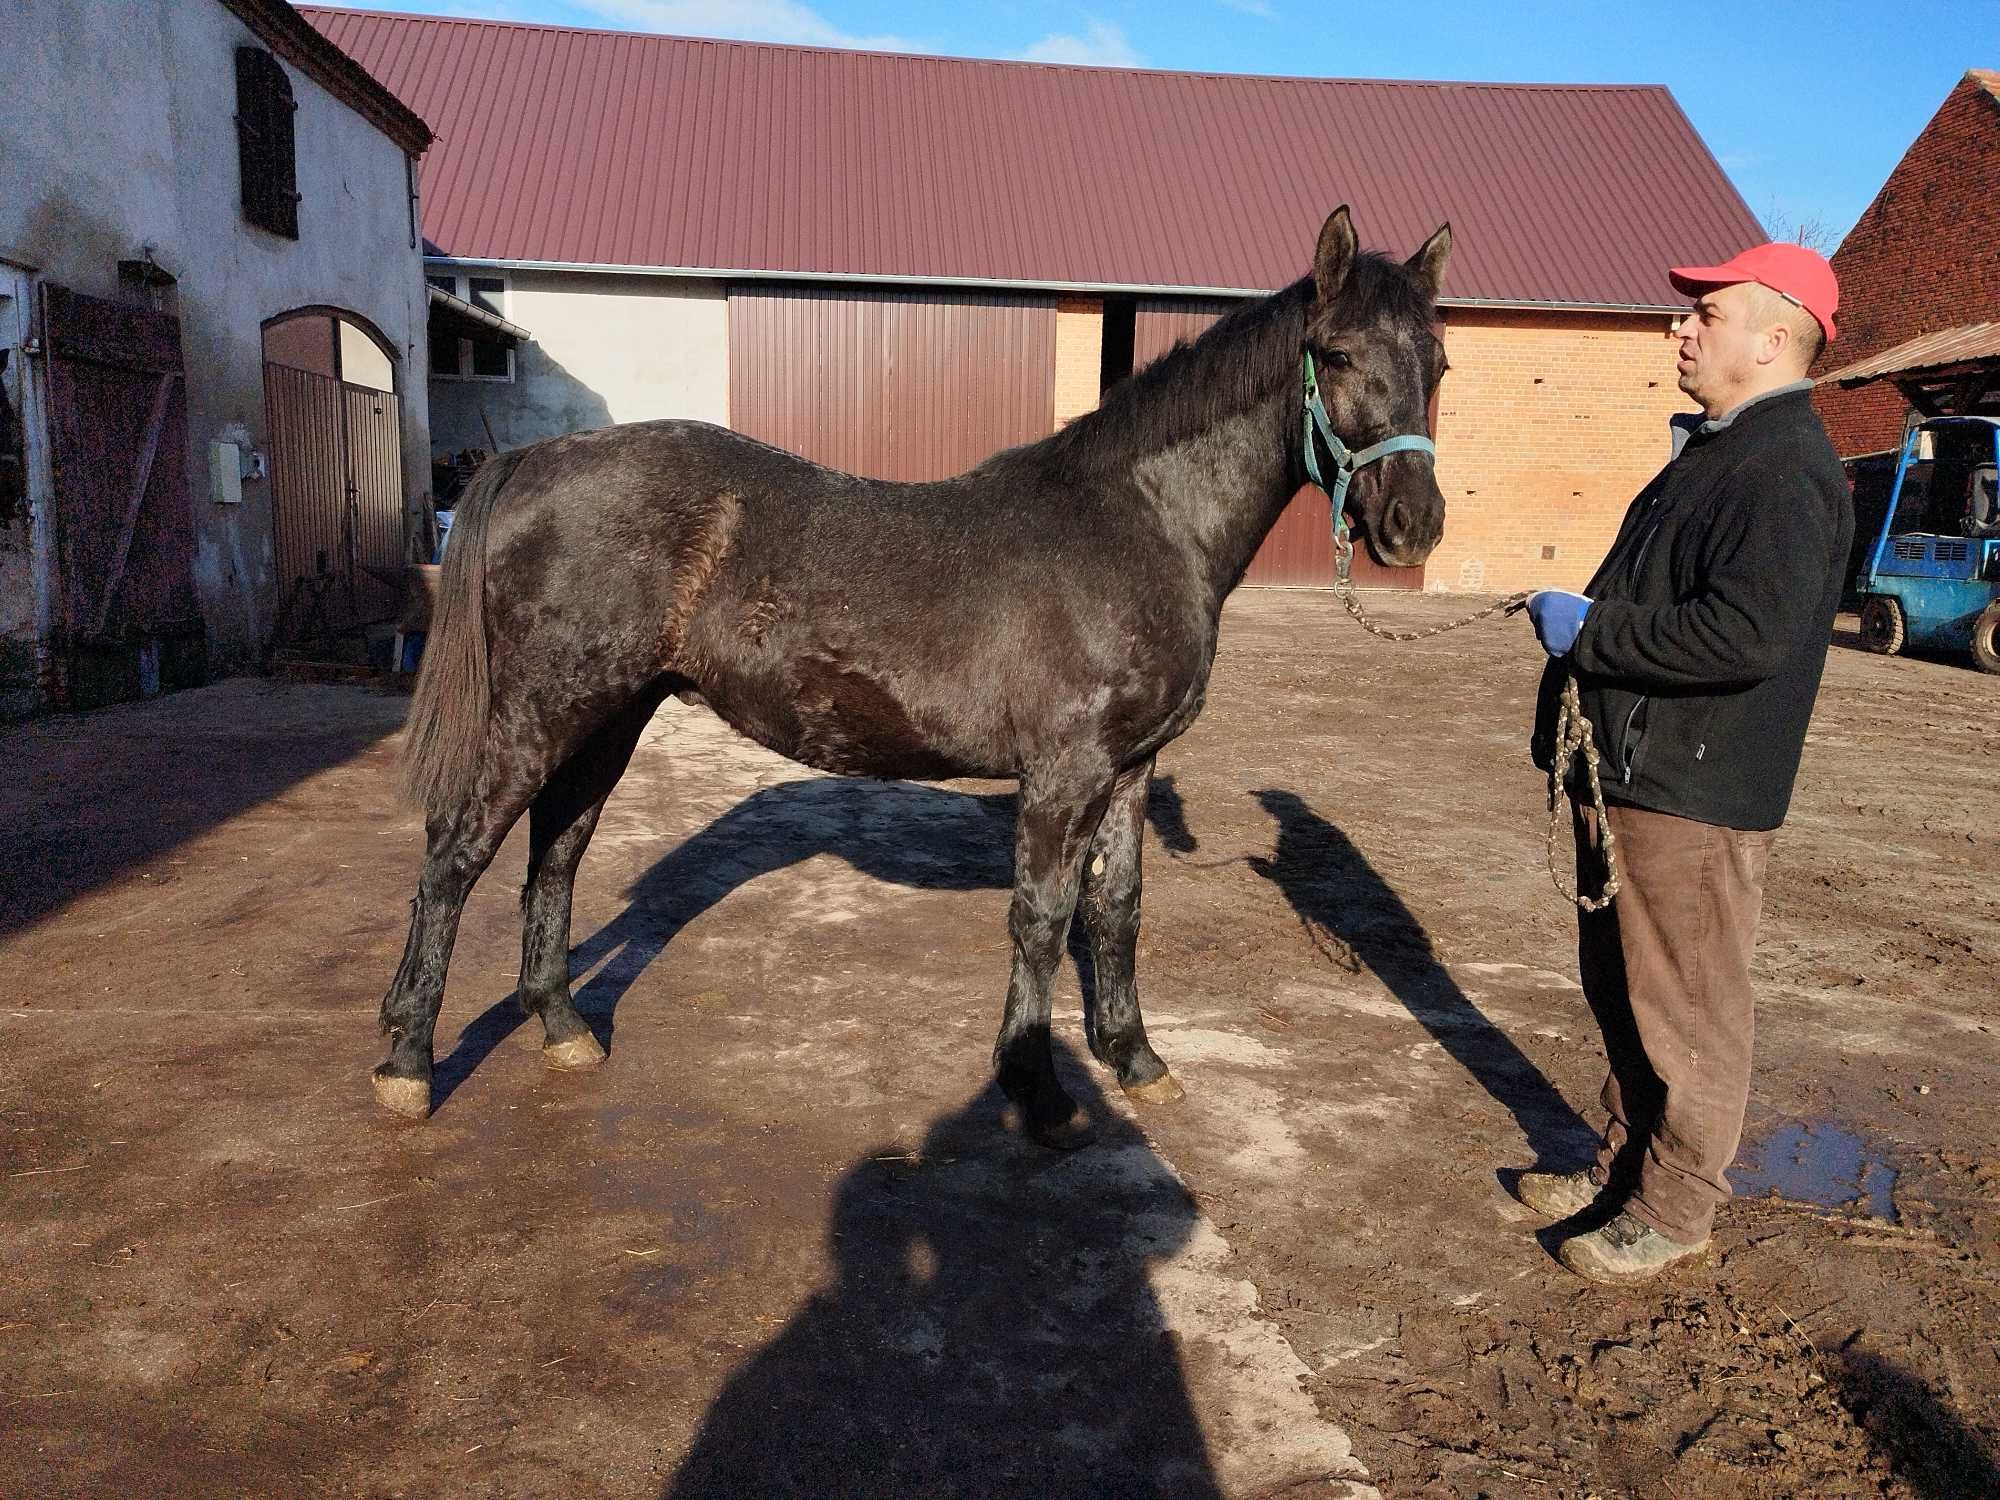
x=606 y=148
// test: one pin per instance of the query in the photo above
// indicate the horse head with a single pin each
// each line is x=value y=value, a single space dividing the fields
x=1375 y=356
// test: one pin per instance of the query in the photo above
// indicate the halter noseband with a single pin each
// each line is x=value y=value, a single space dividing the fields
x=1345 y=461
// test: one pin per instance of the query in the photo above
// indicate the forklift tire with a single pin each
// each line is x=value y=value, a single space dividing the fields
x=1882 y=625
x=1986 y=638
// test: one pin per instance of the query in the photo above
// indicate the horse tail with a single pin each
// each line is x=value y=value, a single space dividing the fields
x=447 y=722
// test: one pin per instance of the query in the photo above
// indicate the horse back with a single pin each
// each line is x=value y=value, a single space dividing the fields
x=958 y=628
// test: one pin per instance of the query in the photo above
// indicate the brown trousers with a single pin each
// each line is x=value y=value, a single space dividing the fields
x=1666 y=969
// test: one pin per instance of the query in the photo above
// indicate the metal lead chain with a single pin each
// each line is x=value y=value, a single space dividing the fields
x=1573 y=735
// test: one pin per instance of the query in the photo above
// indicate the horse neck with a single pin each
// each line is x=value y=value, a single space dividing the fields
x=1221 y=479
x=1221 y=490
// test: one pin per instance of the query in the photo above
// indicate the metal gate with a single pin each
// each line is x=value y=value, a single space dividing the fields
x=891 y=384
x=1299 y=551
x=336 y=499
x=125 y=621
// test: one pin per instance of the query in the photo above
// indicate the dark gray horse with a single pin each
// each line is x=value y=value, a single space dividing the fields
x=1049 y=616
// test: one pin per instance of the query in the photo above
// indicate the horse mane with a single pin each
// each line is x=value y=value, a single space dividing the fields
x=1232 y=366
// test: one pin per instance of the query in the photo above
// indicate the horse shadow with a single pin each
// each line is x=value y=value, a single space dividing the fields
x=988 y=1330
x=909 y=834
x=1338 y=894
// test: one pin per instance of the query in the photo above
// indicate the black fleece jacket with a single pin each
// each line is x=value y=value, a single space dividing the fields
x=1710 y=618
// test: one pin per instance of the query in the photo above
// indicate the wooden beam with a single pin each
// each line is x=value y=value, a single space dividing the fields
x=142 y=479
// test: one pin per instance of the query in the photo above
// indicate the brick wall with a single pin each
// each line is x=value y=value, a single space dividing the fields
x=1921 y=259
x=1079 y=351
x=1548 y=424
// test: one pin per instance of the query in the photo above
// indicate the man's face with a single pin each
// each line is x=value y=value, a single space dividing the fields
x=1720 y=343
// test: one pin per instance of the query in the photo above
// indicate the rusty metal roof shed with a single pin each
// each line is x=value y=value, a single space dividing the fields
x=1970 y=343
x=1955 y=370
x=594 y=149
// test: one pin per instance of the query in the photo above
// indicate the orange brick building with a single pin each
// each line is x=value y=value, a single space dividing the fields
x=1923 y=258
x=1547 y=426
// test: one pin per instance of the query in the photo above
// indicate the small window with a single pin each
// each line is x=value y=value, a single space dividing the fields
x=266 y=152
x=1120 y=331
x=472 y=359
x=490 y=361
x=444 y=346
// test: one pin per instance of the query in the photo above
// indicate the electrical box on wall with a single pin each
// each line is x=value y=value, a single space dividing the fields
x=225 y=473
x=229 y=464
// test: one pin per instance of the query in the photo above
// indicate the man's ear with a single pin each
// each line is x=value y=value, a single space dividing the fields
x=1777 y=341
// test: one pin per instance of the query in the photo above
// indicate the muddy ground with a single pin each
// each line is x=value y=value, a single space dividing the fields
x=786 y=1243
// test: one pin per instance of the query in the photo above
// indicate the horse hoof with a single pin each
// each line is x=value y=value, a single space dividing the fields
x=578 y=1052
x=408 y=1097
x=1065 y=1135
x=1165 y=1089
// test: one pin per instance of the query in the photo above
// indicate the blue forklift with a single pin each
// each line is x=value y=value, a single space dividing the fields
x=1932 y=579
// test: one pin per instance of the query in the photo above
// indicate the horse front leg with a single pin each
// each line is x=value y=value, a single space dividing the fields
x=1110 y=906
x=1060 y=811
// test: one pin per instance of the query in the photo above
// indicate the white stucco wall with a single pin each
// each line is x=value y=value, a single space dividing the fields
x=24 y=540
x=121 y=136
x=605 y=349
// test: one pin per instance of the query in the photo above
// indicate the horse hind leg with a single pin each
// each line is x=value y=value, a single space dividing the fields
x=1109 y=904
x=560 y=824
x=457 y=851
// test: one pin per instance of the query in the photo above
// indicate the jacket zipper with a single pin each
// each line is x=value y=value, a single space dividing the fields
x=1639 y=558
x=1625 y=741
x=1645 y=542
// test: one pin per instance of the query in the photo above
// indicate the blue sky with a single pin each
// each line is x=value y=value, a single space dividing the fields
x=1808 y=106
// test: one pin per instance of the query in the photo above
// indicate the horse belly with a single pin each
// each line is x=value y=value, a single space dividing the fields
x=835 y=715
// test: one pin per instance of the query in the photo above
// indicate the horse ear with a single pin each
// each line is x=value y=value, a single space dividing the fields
x=1429 y=262
x=1335 y=256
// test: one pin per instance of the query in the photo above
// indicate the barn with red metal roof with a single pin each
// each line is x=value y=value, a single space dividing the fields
x=898 y=263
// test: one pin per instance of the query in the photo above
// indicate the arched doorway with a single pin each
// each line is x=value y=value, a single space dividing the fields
x=335 y=421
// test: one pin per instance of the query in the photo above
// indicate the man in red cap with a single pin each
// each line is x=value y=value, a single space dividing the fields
x=1697 y=648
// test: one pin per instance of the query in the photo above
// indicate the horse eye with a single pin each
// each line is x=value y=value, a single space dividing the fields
x=1337 y=359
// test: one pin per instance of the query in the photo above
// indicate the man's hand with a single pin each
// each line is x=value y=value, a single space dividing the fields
x=1558 y=617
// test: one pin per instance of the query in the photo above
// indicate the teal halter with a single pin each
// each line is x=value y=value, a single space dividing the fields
x=1345 y=461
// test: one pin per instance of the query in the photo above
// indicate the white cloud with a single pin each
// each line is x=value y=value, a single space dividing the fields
x=744 y=20
x=1101 y=45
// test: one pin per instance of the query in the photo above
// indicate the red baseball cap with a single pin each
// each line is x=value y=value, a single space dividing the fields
x=1792 y=271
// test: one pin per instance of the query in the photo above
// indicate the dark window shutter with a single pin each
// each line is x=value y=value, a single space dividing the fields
x=267 y=153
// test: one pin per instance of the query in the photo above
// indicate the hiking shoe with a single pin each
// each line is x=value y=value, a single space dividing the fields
x=1557 y=1195
x=1624 y=1250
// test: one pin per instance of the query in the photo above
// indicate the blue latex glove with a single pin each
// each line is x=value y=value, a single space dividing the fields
x=1558 y=617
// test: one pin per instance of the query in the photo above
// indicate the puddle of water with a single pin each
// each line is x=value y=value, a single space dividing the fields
x=1818 y=1163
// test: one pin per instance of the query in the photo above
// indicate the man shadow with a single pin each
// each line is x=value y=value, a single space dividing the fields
x=1933 y=1451
x=905 y=833
x=1349 y=909
x=988 y=1331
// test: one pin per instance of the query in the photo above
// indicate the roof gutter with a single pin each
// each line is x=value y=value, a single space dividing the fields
x=458 y=312
x=1006 y=284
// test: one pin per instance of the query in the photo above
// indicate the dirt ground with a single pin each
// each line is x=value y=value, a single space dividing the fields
x=785 y=1242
